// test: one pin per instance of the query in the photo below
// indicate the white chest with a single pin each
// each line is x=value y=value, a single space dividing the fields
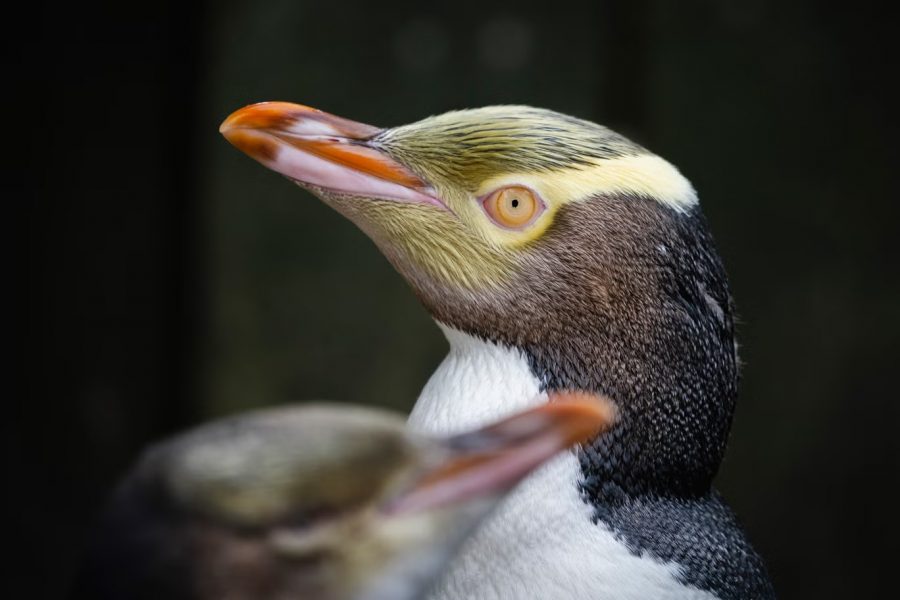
x=540 y=543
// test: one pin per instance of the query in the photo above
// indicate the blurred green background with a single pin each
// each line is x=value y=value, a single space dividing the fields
x=169 y=279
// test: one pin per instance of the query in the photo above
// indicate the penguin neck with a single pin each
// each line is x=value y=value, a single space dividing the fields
x=481 y=381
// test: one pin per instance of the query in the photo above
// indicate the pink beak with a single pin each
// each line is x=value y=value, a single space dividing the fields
x=322 y=150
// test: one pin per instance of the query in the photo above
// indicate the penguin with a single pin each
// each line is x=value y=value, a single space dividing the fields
x=316 y=501
x=555 y=254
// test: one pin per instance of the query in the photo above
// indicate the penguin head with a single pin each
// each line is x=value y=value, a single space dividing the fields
x=319 y=501
x=464 y=200
x=550 y=234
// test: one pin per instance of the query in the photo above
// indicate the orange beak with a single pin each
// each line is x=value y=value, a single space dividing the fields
x=494 y=459
x=323 y=151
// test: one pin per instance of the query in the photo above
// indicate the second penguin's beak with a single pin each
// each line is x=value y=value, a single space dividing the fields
x=492 y=460
x=322 y=150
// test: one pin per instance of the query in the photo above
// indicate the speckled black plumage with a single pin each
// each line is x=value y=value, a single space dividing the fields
x=700 y=534
x=627 y=297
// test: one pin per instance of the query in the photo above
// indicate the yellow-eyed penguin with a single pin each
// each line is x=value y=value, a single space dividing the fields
x=555 y=254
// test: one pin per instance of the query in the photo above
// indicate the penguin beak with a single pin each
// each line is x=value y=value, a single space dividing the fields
x=324 y=151
x=492 y=460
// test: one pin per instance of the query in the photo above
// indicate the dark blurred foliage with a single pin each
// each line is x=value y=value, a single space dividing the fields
x=169 y=279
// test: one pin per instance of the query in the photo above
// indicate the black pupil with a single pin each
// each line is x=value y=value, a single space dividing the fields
x=515 y=203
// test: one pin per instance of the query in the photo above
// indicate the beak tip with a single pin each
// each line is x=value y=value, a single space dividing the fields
x=314 y=147
x=233 y=121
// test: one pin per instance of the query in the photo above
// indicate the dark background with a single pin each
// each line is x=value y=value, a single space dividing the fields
x=169 y=279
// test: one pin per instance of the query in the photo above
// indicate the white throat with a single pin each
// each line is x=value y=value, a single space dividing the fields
x=540 y=543
x=477 y=383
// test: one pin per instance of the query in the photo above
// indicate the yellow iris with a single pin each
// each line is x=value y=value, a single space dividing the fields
x=513 y=207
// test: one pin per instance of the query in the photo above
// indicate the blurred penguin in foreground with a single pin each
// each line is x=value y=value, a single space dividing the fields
x=317 y=501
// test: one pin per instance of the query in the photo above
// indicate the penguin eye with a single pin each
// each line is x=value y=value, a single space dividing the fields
x=513 y=207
